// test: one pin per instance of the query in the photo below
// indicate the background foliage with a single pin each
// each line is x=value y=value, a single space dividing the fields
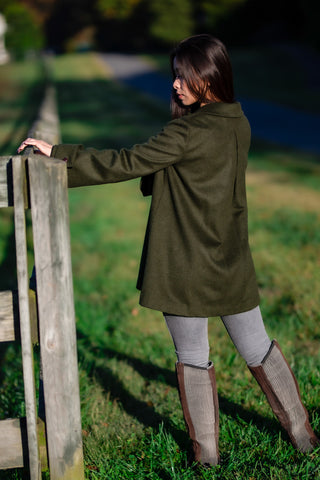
x=68 y=25
x=25 y=30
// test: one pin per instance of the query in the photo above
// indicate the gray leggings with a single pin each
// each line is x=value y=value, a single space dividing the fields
x=246 y=330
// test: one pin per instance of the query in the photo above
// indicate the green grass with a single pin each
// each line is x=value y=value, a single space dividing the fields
x=131 y=418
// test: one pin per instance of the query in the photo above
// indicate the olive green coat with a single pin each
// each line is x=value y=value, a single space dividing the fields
x=196 y=260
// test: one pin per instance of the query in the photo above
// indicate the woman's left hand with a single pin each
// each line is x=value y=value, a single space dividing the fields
x=44 y=147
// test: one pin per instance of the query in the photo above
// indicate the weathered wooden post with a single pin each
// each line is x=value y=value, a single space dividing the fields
x=20 y=203
x=50 y=220
x=19 y=308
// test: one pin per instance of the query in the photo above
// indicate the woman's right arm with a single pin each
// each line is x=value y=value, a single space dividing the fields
x=89 y=166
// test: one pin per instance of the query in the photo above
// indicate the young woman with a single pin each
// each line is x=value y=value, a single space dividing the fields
x=196 y=260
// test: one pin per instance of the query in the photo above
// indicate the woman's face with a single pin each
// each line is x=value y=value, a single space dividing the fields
x=181 y=88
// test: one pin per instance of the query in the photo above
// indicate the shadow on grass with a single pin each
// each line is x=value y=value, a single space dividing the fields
x=111 y=115
x=141 y=410
x=29 y=108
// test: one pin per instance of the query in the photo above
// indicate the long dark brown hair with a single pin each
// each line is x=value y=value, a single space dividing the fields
x=205 y=66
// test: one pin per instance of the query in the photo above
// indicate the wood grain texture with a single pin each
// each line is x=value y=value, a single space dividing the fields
x=9 y=316
x=6 y=189
x=13 y=443
x=50 y=219
x=19 y=175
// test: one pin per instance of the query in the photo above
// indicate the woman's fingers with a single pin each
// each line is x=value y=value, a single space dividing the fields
x=25 y=143
x=42 y=146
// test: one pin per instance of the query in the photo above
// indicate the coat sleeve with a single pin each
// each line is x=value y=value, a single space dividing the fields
x=93 y=167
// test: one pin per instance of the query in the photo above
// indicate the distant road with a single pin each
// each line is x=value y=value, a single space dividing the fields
x=269 y=121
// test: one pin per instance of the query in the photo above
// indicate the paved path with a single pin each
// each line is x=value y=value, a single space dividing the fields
x=269 y=121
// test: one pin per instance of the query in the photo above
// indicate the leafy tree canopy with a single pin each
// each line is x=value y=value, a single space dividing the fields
x=171 y=20
x=118 y=9
x=215 y=10
x=24 y=32
x=149 y=23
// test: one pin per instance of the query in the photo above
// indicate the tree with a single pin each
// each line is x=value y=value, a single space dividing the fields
x=211 y=12
x=171 y=20
x=117 y=9
x=68 y=19
x=24 y=32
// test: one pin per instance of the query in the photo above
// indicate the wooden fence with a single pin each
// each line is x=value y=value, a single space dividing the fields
x=45 y=315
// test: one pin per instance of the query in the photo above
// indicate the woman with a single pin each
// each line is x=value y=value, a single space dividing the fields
x=196 y=260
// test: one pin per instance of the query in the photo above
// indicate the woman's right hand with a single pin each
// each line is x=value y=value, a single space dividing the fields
x=44 y=147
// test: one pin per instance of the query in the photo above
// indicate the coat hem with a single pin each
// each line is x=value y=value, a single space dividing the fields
x=188 y=312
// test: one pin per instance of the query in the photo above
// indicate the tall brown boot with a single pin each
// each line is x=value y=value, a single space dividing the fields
x=199 y=401
x=279 y=384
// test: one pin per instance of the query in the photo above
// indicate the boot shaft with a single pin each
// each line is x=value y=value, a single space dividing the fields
x=199 y=401
x=280 y=386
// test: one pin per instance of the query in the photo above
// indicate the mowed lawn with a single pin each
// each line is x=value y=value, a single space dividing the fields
x=132 y=422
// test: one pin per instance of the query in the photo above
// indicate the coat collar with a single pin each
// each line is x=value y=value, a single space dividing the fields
x=222 y=109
